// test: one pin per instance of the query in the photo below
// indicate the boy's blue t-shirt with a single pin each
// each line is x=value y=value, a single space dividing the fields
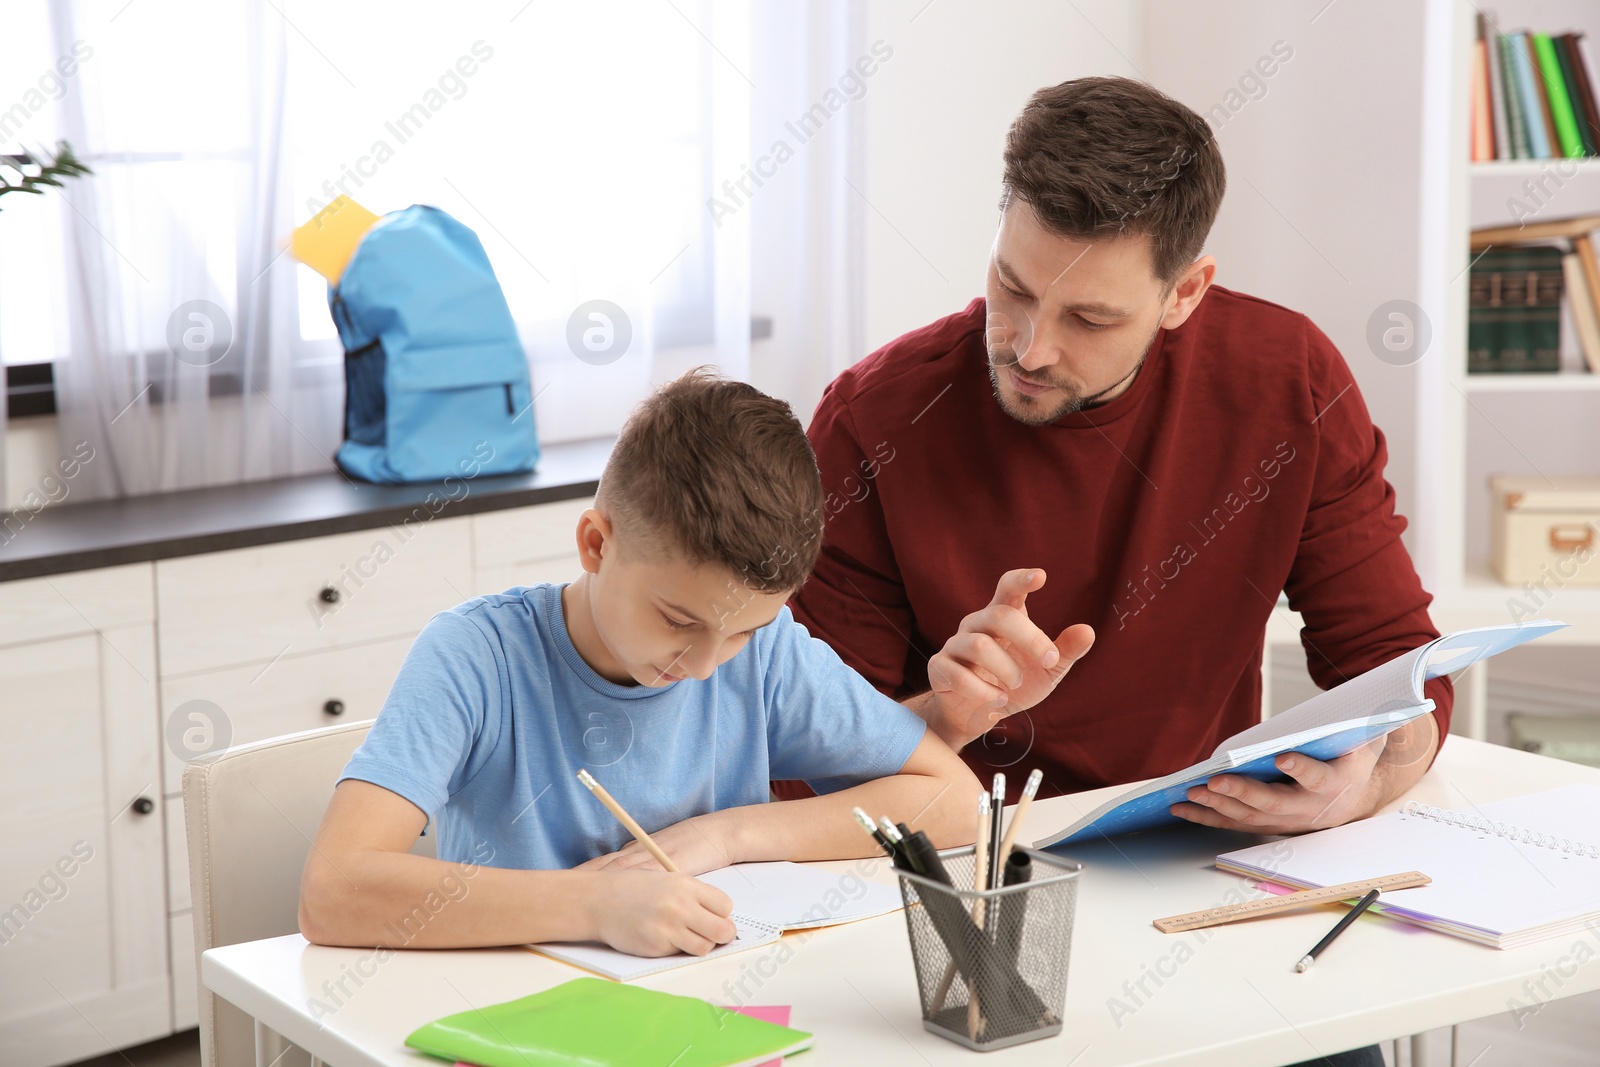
x=493 y=713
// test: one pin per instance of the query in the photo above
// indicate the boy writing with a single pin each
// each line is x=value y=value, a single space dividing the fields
x=673 y=670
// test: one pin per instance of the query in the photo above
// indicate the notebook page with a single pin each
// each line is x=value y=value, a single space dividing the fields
x=1480 y=880
x=795 y=897
x=1394 y=686
x=625 y=967
x=1386 y=688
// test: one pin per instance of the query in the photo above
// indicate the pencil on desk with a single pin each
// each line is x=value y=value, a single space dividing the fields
x=626 y=820
x=1338 y=928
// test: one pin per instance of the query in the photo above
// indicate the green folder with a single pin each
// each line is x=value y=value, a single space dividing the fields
x=596 y=1023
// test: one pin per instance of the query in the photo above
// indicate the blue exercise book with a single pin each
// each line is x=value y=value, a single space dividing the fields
x=1328 y=725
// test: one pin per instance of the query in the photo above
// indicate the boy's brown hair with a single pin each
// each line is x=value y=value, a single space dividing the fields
x=1100 y=157
x=723 y=474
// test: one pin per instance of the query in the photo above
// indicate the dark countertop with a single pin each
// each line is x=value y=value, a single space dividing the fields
x=104 y=533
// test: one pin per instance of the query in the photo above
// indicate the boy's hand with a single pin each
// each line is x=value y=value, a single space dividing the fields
x=998 y=663
x=697 y=845
x=652 y=913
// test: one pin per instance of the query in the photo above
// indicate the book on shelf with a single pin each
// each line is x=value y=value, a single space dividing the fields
x=1514 y=311
x=1515 y=289
x=1532 y=96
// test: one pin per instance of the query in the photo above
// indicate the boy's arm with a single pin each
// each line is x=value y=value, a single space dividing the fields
x=361 y=886
x=934 y=792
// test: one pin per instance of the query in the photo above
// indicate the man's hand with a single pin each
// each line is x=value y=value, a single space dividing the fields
x=651 y=913
x=703 y=843
x=1353 y=786
x=997 y=664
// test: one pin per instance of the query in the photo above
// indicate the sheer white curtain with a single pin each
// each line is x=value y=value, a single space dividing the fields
x=816 y=73
x=581 y=142
x=177 y=366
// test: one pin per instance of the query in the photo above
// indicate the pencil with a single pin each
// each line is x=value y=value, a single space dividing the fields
x=1029 y=789
x=980 y=881
x=997 y=810
x=626 y=820
x=1338 y=928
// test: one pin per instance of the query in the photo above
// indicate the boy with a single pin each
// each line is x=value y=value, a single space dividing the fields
x=672 y=669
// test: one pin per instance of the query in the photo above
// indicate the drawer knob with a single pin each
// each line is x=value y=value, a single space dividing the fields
x=144 y=805
x=334 y=707
x=329 y=595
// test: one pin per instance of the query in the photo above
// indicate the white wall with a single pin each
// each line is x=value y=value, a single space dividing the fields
x=1324 y=168
x=936 y=121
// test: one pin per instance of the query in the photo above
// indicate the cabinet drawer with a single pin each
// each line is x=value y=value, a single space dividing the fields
x=248 y=704
x=32 y=609
x=252 y=605
x=517 y=535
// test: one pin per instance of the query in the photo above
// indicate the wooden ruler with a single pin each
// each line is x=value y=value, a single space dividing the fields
x=1251 y=909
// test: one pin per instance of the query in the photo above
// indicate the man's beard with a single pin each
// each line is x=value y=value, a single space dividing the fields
x=1035 y=413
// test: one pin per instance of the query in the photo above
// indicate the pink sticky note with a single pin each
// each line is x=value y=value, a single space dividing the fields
x=1275 y=889
x=767 y=1013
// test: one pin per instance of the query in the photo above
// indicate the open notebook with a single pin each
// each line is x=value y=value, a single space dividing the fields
x=1504 y=874
x=768 y=899
x=1328 y=725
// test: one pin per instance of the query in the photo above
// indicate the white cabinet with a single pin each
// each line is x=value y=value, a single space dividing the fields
x=254 y=605
x=83 y=932
x=525 y=546
x=111 y=679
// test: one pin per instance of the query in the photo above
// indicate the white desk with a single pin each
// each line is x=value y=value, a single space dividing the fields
x=1230 y=999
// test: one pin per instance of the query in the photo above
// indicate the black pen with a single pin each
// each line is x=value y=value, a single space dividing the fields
x=1338 y=928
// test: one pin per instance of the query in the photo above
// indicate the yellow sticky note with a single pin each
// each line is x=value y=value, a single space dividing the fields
x=326 y=243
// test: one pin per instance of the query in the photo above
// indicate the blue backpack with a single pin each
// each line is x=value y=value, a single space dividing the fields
x=436 y=382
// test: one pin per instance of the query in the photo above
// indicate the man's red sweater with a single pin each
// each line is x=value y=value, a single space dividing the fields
x=1240 y=462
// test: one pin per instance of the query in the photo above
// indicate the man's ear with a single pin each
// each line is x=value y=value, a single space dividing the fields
x=1187 y=291
x=596 y=539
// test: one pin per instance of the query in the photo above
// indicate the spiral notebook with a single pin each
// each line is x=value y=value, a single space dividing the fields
x=768 y=899
x=1505 y=874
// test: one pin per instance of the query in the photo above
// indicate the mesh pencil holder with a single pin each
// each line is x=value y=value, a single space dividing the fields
x=992 y=966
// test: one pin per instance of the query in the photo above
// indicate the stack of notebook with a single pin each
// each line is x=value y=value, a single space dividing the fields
x=1505 y=874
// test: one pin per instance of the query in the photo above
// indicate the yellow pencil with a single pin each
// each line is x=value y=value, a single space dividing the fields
x=625 y=819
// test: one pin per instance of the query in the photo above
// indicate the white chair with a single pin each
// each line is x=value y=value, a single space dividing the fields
x=251 y=814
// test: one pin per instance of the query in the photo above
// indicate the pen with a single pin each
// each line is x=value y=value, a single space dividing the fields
x=926 y=858
x=1338 y=928
x=626 y=820
x=870 y=827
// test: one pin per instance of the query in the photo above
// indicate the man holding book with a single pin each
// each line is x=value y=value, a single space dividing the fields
x=1129 y=463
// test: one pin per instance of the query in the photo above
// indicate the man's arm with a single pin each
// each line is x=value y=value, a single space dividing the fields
x=934 y=792
x=1354 y=584
x=361 y=886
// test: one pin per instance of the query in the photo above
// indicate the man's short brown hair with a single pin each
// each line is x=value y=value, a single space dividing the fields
x=723 y=474
x=1100 y=157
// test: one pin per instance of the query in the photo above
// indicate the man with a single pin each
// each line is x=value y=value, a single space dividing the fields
x=1129 y=462
x=1108 y=439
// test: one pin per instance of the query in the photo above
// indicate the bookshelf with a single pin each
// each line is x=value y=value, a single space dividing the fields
x=1471 y=426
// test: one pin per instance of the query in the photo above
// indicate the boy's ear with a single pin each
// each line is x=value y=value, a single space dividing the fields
x=596 y=539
